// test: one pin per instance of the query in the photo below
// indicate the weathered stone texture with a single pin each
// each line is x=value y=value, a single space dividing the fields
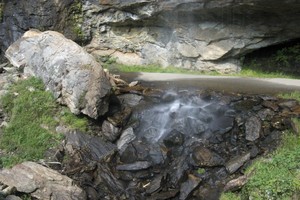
x=68 y=71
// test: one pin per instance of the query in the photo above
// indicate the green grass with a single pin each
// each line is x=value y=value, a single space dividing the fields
x=245 y=72
x=278 y=175
x=33 y=114
x=292 y=95
x=230 y=196
x=248 y=72
x=74 y=122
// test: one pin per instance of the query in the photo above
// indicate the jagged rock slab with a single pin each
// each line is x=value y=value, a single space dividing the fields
x=68 y=71
x=235 y=163
x=127 y=136
x=41 y=182
x=110 y=131
x=139 y=165
x=189 y=186
x=92 y=147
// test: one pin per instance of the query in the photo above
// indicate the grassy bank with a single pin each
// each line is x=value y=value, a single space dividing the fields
x=245 y=72
x=33 y=115
x=281 y=63
x=276 y=176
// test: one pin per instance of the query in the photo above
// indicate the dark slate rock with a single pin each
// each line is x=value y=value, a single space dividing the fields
x=126 y=137
x=204 y=157
x=92 y=147
x=174 y=138
x=107 y=178
x=131 y=100
x=110 y=131
x=154 y=185
x=139 y=165
x=189 y=186
x=177 y=170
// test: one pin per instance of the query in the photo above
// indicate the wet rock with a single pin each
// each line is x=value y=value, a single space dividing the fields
x=171 y=193
x=110 y=131
x=108 y=181
x=236 y=184
x=131 y=100
x=195 y=126
x=120 y=118
x=270 y=104
x=89 y=147
x=139 y=165
x=188 y=186
x=204 y=157
x=68 y=71
x=235 y=163
x=41 y=182
x=127 y=136
x=252 y=128
x=178 y=170
x=174 y=138
x=154 y=185
x=140 y=150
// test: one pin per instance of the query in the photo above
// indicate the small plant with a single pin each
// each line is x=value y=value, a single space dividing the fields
x=201 y=171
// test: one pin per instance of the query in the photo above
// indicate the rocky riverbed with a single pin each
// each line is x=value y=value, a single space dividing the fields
x=142 y=142
x=154 y=144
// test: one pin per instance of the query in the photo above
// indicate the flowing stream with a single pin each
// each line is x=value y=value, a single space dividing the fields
x=189 y=114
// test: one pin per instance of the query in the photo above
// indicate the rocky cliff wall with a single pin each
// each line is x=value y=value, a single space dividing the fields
x=208 y=35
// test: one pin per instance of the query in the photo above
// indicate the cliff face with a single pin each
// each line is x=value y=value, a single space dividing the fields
x=199 y=34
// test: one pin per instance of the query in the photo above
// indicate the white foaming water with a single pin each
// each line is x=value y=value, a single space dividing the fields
x=187 y=113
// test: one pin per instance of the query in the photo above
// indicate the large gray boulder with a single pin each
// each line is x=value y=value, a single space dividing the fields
x=41 y=182
x=68 y=71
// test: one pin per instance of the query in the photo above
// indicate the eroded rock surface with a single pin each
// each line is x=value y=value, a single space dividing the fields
x=207 y=35
x=68 y=71
x=41 y=182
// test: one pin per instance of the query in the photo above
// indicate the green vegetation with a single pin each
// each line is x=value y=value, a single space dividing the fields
x=76 y=19
x=230 y=196
x=283 y=63
x=276 y=176
x=33 y=115
x=201 y=171
x=292 y=95
x=74 y=122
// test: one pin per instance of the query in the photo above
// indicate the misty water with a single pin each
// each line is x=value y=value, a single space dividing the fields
x=188 y=112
